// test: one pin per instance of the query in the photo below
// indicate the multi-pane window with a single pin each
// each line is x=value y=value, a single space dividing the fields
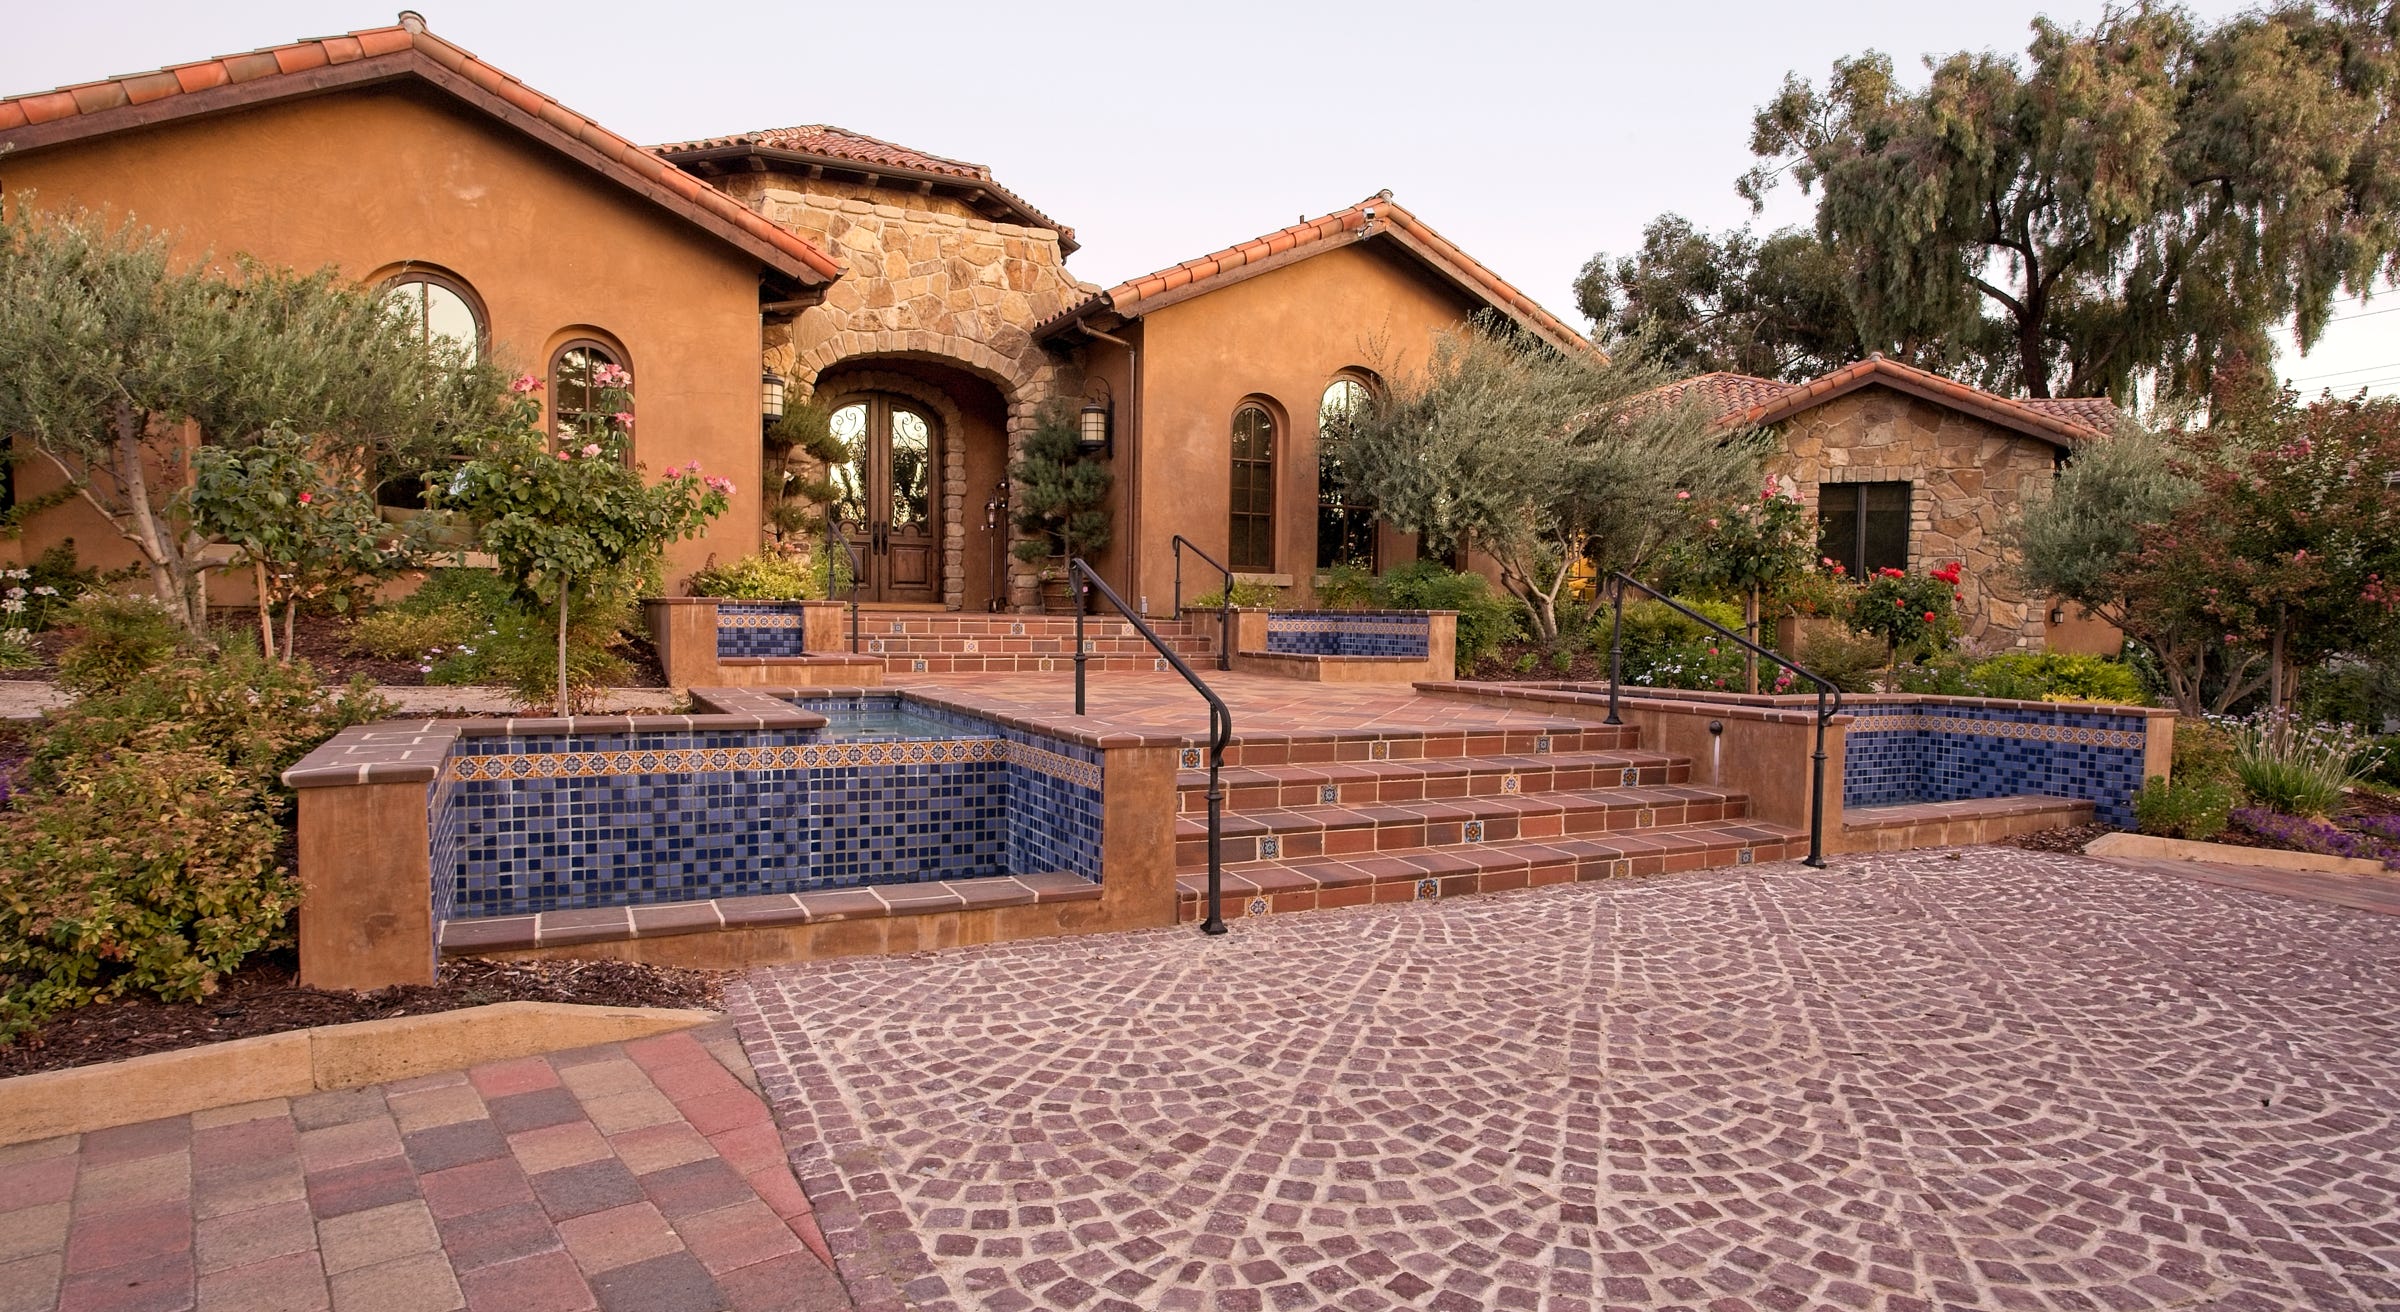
x=438 y=311
x=1251 y=544
x=1345 y=523
x=1863 y=527
x=578 y=378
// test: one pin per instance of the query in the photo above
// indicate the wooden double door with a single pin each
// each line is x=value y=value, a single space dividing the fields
x=888 y=505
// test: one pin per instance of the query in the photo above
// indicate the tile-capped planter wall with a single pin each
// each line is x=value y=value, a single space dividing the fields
x=1946 y=749
x=1405 y=633
x=761 y=628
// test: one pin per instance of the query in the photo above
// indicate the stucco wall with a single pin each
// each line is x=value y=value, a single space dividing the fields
x=368 y=179
x=1280 y=337
x=1967 y=478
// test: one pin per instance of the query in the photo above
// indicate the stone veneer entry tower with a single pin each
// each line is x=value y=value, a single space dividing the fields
x=950 y=269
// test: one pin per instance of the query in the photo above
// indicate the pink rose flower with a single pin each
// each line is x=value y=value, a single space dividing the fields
x=624 y=418
x=1683 y=496
x=307 y=497
x=566 y=455
x=525 y=383
x=590 y=449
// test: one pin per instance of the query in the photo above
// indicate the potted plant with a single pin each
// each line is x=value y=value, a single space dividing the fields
x=1060 y=495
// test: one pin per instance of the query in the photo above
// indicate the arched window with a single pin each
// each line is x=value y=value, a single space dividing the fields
x=576 y=385
x=1251 y=545
x=439 y=308
x=1345 y=523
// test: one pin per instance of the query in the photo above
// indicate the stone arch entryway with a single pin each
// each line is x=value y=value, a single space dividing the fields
x=963 y=422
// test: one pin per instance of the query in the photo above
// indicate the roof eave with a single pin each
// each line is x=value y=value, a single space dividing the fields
x=1022 y=212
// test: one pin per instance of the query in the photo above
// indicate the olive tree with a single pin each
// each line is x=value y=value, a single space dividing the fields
x=123 y=360
x=1540 y=460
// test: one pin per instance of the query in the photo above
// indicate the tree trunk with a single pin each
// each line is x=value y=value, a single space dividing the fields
x=2275 y=680
x=167 y=575
x=266 y=609
x=562 y=646
x=291 y=612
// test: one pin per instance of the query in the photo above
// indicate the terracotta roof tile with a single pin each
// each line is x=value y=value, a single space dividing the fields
x=793 y=255
x=825 y=141
x=1740 y=400
x=1390 y=220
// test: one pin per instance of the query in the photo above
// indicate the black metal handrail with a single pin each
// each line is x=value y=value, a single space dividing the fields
x=1224 y=595
x=1220 y=729
x=835 y=537
x=1826 y=709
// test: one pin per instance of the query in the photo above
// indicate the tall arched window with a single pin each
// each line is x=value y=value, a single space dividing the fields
x=1251 y=545
x=439 y=308
x=575 y=391
x=1345 y=523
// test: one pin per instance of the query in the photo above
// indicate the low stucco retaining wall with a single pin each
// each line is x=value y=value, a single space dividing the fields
x=299 y=1062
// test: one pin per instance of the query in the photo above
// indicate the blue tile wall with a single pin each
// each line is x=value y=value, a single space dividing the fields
x=1947 y=752
x=525 y=823
x=1349 y=633
x=762 y=628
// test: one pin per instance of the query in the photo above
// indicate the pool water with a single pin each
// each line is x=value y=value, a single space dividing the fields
x=884 y=723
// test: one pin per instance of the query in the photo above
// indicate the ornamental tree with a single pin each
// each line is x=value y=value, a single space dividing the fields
x=1916 y=615
x=123 y=361
x=302 y=532
x=1755 y=547
x=1059 y=495
x=1539 y=459
x=573 y=526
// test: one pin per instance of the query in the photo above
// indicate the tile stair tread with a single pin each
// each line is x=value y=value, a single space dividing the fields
x=1248 y=878
x=1431 y=767
x=1338 y=815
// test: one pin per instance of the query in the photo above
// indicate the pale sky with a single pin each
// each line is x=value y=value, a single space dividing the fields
x=1532 y=134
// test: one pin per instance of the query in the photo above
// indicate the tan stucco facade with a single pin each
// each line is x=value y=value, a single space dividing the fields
x=373 y=179
x=1967 y=479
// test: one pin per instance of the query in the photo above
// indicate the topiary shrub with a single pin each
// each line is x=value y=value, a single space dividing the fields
x=121 y=639
x=1847 y=660
x=142 y=850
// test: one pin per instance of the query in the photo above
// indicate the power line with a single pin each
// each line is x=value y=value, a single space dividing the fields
x=2342 y=373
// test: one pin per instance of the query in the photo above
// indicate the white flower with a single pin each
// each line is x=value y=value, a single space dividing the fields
x=45 y=591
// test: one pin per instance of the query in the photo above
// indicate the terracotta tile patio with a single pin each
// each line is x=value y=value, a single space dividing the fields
x=1980 y=1078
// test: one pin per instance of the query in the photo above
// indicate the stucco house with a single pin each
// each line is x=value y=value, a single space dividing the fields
x=924 y=301
x=1909 y=470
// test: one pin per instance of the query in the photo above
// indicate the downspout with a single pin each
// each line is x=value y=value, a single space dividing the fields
x=1133 y=474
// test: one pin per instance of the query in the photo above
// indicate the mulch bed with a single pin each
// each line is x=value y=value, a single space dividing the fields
x=2066 y=838
x=262 y=998
x=324 y=642
x=48 y=644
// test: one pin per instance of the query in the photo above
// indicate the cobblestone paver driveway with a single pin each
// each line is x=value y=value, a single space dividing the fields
x=1998 y=1080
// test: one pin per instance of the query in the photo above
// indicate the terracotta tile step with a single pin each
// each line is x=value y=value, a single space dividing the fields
x=1006 y=626
x=1264 y=887
x=660 y=919
x=1341 y=831
x=1258 y=744
x=955 y=644
x=1249 y=787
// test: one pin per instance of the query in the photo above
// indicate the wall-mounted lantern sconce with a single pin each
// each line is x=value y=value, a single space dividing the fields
x=771 y=394
x=2058 y=615
x=1092 y=424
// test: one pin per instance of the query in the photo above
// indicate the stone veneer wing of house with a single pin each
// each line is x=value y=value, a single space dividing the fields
x=1942 y=465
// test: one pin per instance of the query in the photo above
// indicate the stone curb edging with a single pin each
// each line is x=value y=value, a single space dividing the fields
x=2145 y=847
x=289 y=1065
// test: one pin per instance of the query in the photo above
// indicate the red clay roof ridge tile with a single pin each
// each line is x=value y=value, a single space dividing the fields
x=797 y=253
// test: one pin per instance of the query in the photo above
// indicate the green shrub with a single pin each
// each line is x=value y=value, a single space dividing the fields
x=1844 y=658
x=121 y=639
x=142 y=853
x=2057 y=676
x=1347 y=587
x=760 y=576
x=2203 y=752
x=1488 y=619
x=2193 y=809
x=1245 y=594
x=2295 y=766
x=520 y=652
x=394 y=634
x=2386 y=770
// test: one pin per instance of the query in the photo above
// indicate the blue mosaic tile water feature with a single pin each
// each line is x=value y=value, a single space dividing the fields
x=760 y=628
x=1349 y=633
x=887 y=792
x=1948 y=751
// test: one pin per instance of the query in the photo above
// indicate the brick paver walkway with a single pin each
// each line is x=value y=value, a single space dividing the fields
x=644 y=1177
x=1996 y=1079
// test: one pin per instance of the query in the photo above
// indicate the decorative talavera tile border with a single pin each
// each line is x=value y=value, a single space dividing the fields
x=729 y=619
x=1297 y=624
x=512 y=766
x=1868 y=721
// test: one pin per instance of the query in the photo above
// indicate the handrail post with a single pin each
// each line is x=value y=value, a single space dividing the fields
x=1816 y=791
x=1075 y=594
x=1616 y=650
x=1219 y=730
x=1178 y=545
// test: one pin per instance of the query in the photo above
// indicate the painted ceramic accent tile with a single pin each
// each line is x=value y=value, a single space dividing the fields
x=1946 y=753
x=1340 y=633
x=760 y=629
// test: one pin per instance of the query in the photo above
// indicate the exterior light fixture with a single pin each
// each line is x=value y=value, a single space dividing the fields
x=1092 y=426
x=771 y=392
